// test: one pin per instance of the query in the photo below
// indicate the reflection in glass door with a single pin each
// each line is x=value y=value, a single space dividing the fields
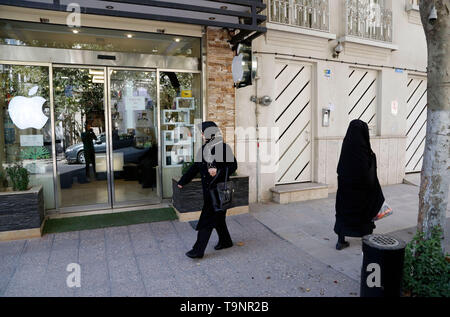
x=80 y=136
x=134 y=136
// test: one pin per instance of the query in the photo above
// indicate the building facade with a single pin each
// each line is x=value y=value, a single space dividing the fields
x=140 y=78
x=100 y=101
x=323 y=64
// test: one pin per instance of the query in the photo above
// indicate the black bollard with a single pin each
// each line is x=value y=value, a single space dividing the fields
x=382 y=267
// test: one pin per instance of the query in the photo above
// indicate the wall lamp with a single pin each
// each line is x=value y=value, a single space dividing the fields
x=338 y=50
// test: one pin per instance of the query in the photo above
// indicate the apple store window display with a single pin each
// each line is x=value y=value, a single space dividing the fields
x=25 y=127
x=180 y=114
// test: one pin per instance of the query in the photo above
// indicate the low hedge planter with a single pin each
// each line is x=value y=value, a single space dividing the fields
x=21 y=214
x=188 y=202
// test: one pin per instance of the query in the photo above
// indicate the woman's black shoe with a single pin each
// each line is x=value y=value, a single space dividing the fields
x=193 y=255
x=223 y=246
x=342 y=245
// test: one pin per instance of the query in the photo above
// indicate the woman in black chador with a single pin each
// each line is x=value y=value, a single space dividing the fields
x=215 y=157
x=359 y=196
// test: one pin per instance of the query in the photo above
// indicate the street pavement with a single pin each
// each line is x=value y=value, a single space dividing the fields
x=280 y=251
x=309 y=226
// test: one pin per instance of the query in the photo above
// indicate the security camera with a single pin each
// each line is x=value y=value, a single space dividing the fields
x=433 y=15
x=338 y=50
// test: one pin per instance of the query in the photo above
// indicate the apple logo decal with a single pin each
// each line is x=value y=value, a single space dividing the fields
x=27 y=112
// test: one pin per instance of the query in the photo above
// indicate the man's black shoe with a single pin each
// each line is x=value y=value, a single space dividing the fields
x=223 y=246
x=194 y=255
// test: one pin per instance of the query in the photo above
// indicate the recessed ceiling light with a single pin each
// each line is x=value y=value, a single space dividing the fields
x=224 y=7
x=177 y=40
x=129 y=36
x=212 y=18
x=75 y=31
x=155 y=50
x=109 y=7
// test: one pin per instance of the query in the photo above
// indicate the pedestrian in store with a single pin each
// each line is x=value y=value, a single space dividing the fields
x=211 y=162
x=359 y=196
x=88 y=138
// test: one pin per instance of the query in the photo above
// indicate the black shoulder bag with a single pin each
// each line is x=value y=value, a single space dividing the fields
x=222 y=194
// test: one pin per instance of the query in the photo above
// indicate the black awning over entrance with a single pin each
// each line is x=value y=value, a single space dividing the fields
x=242 y=16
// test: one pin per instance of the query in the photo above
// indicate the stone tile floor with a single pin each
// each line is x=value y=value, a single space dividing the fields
x=149 y=260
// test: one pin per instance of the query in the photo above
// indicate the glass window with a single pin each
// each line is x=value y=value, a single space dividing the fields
x=25 y=126
x=180 y=98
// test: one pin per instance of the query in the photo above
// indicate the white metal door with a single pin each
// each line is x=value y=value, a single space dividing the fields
x=416 y=120
x=363 y=96
x=293 y=118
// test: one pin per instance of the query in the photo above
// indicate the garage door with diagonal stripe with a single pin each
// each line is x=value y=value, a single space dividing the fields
x=293 y=118
x=363 y=96
x=416 y=119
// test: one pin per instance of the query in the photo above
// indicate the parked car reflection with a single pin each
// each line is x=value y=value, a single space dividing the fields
x=75 y=154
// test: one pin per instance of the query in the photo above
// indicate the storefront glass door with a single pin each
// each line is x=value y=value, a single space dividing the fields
x=106 y=137
x=133 y=118
x=90 y=135
x=80 y=136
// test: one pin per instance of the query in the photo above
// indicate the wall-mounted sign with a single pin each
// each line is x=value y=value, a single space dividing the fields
x=327 y=73
x=243 y=67
x=27 y=112
x=399 y=70
x=135 y=103
x=32 y=140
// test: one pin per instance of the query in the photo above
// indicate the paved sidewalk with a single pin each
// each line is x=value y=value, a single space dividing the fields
x=309 y=226
x=280 y=250
x=149 y=260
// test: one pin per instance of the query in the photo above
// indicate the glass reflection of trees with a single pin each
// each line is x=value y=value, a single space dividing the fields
x=77 y=99
x=17 y=80
x=171 y=85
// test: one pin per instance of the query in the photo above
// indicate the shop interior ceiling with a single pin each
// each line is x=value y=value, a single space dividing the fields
x=241 y=16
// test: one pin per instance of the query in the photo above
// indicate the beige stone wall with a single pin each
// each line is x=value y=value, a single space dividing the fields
x=390 y=152
x=220 y=106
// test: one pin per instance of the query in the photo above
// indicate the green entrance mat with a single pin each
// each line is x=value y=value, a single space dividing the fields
x=108 y=220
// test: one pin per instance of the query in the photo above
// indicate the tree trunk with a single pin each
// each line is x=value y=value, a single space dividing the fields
x=434 y=185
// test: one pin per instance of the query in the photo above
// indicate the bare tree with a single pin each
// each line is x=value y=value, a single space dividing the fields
x=434 y=185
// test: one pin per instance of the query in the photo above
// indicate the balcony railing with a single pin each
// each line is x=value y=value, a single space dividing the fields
x=311 y=14
x=369 y=19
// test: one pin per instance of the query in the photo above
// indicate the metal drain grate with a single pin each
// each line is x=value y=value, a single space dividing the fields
x=383 y=241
